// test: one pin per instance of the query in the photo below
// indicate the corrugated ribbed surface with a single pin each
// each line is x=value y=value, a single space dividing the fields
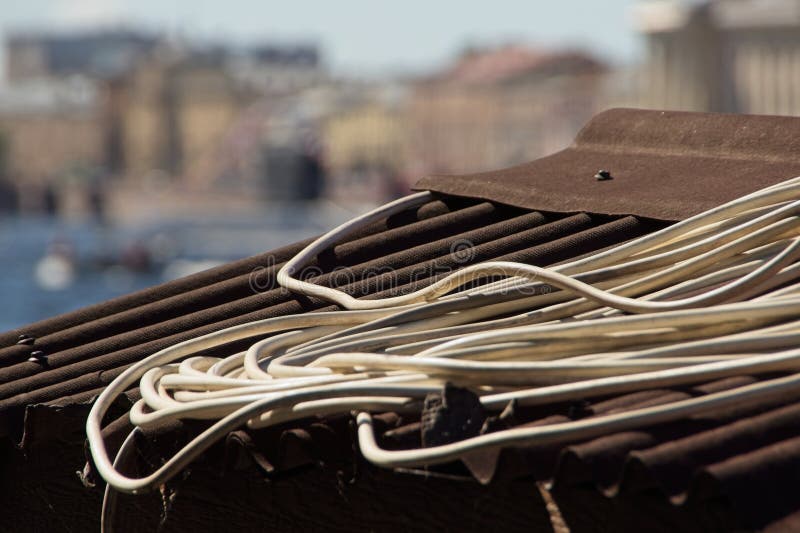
x=86 y=349
x=727 y=469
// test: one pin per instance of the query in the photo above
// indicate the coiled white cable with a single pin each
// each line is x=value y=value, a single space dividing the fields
x=712 y=296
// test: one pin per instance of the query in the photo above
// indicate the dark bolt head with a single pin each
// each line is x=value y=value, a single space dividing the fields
x=37 y=356
x=25 y=340
x=603 y=175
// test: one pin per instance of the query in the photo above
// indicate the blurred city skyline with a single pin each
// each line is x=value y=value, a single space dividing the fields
x=356 y=37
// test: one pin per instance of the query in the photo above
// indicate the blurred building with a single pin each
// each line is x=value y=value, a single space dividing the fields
x=96 y=54
x=498 y=107
x=175 y=110
x=60 y=116
x=54 y=144
x=186 y=111
x=740 y=56
x=175 y=126
x=366 y=146
x=160 y=113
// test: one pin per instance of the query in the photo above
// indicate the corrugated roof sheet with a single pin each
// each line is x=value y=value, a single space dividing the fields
x=86 y=349
x=728 y=469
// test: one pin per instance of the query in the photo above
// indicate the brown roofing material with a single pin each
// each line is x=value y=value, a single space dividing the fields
x=666 y=165
x=729 y=469
x=45 y=405
x=510 y=62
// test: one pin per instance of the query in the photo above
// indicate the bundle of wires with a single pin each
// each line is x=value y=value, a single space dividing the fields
x=713 y=296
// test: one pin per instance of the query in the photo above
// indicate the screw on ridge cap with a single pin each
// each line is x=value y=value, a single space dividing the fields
x=25 y=339
x=603 y=175
x=38 y=356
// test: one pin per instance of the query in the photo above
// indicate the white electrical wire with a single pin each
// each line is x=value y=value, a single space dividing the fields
x=716 y=295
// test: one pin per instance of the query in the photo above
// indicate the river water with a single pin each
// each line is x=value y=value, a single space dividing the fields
x=51 y=267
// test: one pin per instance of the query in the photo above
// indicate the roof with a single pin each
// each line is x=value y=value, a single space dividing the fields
x=513 y=61
x=728 y=469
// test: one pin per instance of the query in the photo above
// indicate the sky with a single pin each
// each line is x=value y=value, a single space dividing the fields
x=356 y=36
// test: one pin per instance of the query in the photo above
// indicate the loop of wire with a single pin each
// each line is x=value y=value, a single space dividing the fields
x=713 y=296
